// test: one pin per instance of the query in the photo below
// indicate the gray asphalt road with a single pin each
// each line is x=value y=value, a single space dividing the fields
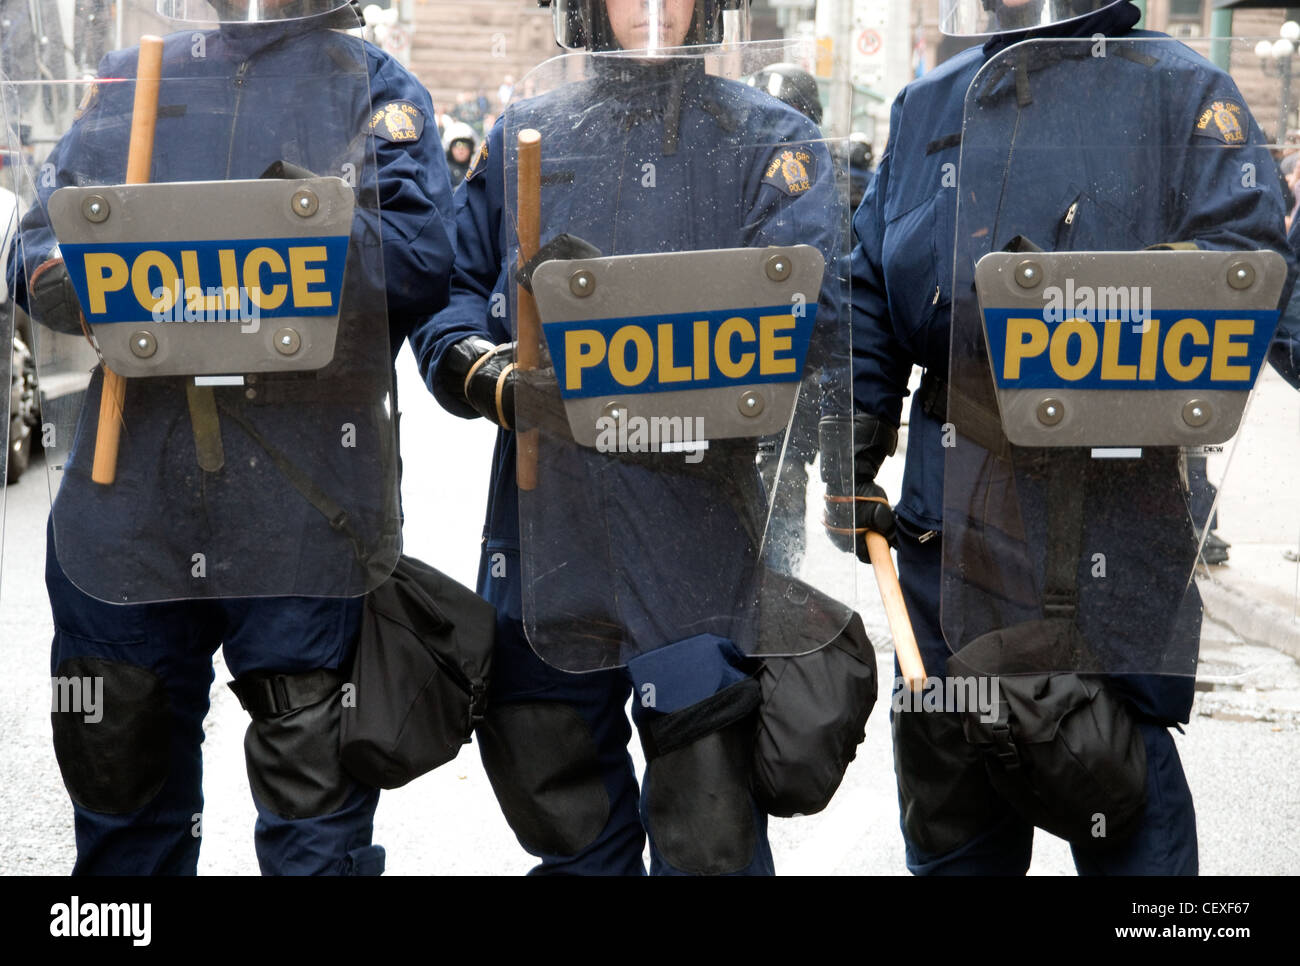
x=1240 y=751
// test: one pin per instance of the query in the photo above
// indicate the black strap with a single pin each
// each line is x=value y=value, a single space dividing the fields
x=942 y=403
x=943 y=143
x=313 y=494
x=264 y=694
x=1067 y=483
x=684 y=727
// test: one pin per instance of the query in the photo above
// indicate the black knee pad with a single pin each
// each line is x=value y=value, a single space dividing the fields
x=699 y=766
x=292 y=745
x=542 y=762
x=112 y=725
x=944 y=792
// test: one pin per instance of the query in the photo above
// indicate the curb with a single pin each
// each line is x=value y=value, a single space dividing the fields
x=1255 y=621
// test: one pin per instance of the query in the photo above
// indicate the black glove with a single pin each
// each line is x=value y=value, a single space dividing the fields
x=849 y=515
x=483 y=375
x=52 y=298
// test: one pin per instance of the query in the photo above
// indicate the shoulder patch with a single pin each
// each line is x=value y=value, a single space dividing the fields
x=791 y=170
x=1222 y=119
x=87 y=101
x=480 y=159
x=397 y=121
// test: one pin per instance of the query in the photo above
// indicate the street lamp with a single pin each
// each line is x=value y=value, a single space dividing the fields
x=1276 y=57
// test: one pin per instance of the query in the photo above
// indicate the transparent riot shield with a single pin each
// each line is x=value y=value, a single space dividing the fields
x=203 y=262
x=12 y=376
x=690 y=332
x=1119 y=263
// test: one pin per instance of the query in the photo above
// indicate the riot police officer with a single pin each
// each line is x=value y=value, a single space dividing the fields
x=279 y=487
x=1028 y=168
x=661 y=158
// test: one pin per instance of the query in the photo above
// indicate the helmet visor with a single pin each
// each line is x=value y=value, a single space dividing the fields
x=982 y=18
x=649 y=25
x=245 y=11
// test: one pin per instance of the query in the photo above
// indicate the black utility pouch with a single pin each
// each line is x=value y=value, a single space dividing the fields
x=421 y=673
x=812 y=719
x=1061 y=747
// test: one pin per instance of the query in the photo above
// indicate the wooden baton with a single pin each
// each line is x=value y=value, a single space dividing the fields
x=900 y=625
x=529 y=331
x=144 y=117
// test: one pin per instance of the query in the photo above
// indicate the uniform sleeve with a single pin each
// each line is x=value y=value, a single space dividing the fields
x=1227 y=192
x=415 y=204
x=1284 y=351
x=881 y=365
x=95 y=143
x=476 y=274
x=791 y=211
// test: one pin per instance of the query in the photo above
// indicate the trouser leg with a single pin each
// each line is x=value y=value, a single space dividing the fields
x=554 y=746
x=289 y=656
x=953 y=821
x=130 y=693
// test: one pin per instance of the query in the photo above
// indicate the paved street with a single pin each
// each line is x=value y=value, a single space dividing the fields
x=1240 y=751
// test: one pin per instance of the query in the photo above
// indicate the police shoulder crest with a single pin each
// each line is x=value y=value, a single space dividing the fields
x=397 y=121
x=480 y=159
x=87 y=101
x=791 y=169
x=1222 y=119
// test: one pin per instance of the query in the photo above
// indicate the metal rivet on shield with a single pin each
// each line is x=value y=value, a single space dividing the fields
x=750 y=404
x=305 y=202
x=1196 y=413
x=1029 y=274
x=778 y=268
x=94 y=208
x=1051 y=411
x=1241 y=275
x=287 y=342
x=582 y=283
x=613 y=410
x=143 y=344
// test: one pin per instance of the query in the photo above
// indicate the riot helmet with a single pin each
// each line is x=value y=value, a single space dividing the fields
x=793 y=85
x=599 y=25
x=458 y=132
x=251 y=11
x=981 y=18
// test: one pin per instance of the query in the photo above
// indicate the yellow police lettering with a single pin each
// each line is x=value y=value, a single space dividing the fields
x=254 y=262
x=1060 y=350
x=303 y=277
x=667 y=371
x=229 y=273
x=770 y=344
x=645 y=355
x=1226 y=349
x=1026 y=338
x=170 y=279
x=1173 y=349
x=729 y=365
x=105 y=272
x=1110 y=364
x=583 y=349
x=702 y=349
x=194 y=297
x=1150 y=343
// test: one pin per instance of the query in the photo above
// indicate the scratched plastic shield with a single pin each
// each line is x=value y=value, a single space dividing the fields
x=237 y=290
x=15 y=360
x=691 y=336
x=1117 y=278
